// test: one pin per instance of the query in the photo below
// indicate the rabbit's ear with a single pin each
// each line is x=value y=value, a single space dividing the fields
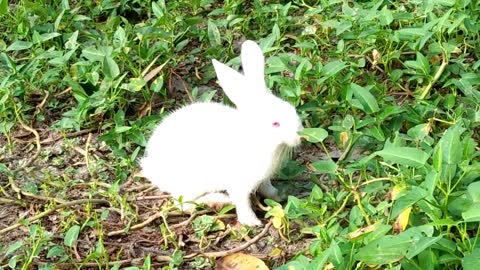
x=232 y=82
x=253 y=63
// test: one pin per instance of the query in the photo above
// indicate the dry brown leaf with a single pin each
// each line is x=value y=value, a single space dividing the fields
x=240 y=261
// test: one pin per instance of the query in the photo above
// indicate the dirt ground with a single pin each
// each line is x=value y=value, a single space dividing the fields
x=131 y=224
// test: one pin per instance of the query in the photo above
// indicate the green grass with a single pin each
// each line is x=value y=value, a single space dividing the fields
x=388 y=176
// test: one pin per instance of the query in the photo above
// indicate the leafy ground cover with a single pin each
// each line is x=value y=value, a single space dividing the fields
x=388 y=176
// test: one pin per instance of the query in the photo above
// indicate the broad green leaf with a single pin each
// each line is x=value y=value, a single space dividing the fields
x=324 y=166
x=428 y=260
x=19 y=45
x=386 y=16
x=119 y=38
x=158 y=11
x=47 y=36
x=55 y=251
x=274 y=65
x=471 y=261
x=110 y=67
x=71 y=236
x=333 y=68
x=411 y=33
x=213 y=34
x=368 y=101
x=419 y=132
x=474 y=191
x=336 y=255
x=71 y=43
x=413 y=195
x=423 y=62
x=421 y=245
x=407 y=156
x=13 y=247
x=387 y=249
x=93 y=54
x=314 y=135
x=451 y=145
x=473 y=213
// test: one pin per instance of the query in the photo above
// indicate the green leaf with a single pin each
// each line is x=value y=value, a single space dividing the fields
x=387 y=249
x=471 y=261
x=120 y=38
x=19 y=45
x=324 y=166
x=93 y=54
x=13 y=247
x=413 y=195
x=213 y=34
x=421 y=245
x=451 y=145
x=55 y=251
x=474 y=191
x=110 y=67
x=407 y=156
x=314 y=135
x=411 y=33
x=386 y=16
x=368 y=101
x=419 y=132
x=71 y=236
x=333 y=68
x=147 y=264
x=336 y=254
x=472 y=214
x=158 y=11
x=3 y=6
x=47 y=36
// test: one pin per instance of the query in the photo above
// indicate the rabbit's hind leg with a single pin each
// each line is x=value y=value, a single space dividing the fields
x=267 y=190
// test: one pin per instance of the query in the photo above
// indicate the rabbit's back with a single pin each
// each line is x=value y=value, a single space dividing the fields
x=196 y=149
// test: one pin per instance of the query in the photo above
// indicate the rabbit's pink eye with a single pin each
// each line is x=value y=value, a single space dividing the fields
x=276 y=124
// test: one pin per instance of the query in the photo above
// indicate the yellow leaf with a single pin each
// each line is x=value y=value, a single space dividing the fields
x=275 y=252
x=396 y=191
x=344 y=138
x=240 y=261
x=277 y=222
x=361 y=231
x=402 y=220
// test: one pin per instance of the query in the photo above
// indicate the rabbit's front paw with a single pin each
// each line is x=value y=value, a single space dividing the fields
x=249 y=221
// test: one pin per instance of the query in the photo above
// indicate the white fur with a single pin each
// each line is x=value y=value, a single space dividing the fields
x=210 y=147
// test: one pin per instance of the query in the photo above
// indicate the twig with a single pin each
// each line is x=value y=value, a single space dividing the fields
x=189 y=220
x=243 y=246
x=139 y=188
x=86 y=156
x=139 y=225
x=55 y=208
x=37 y=140
x=185 y=88
x=155 y=197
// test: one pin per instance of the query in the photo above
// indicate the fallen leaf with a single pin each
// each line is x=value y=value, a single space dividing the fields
x=240 y=261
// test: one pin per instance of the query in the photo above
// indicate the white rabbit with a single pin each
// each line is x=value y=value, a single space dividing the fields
x=203 y=150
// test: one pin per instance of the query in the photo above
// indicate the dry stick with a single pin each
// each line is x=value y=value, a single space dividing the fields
x=136 y=261
x=86 y=155
x=60 y=206
x=139 y=225
x=243 y=246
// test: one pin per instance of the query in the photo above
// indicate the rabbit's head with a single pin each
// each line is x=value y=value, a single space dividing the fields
x=271 y=117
